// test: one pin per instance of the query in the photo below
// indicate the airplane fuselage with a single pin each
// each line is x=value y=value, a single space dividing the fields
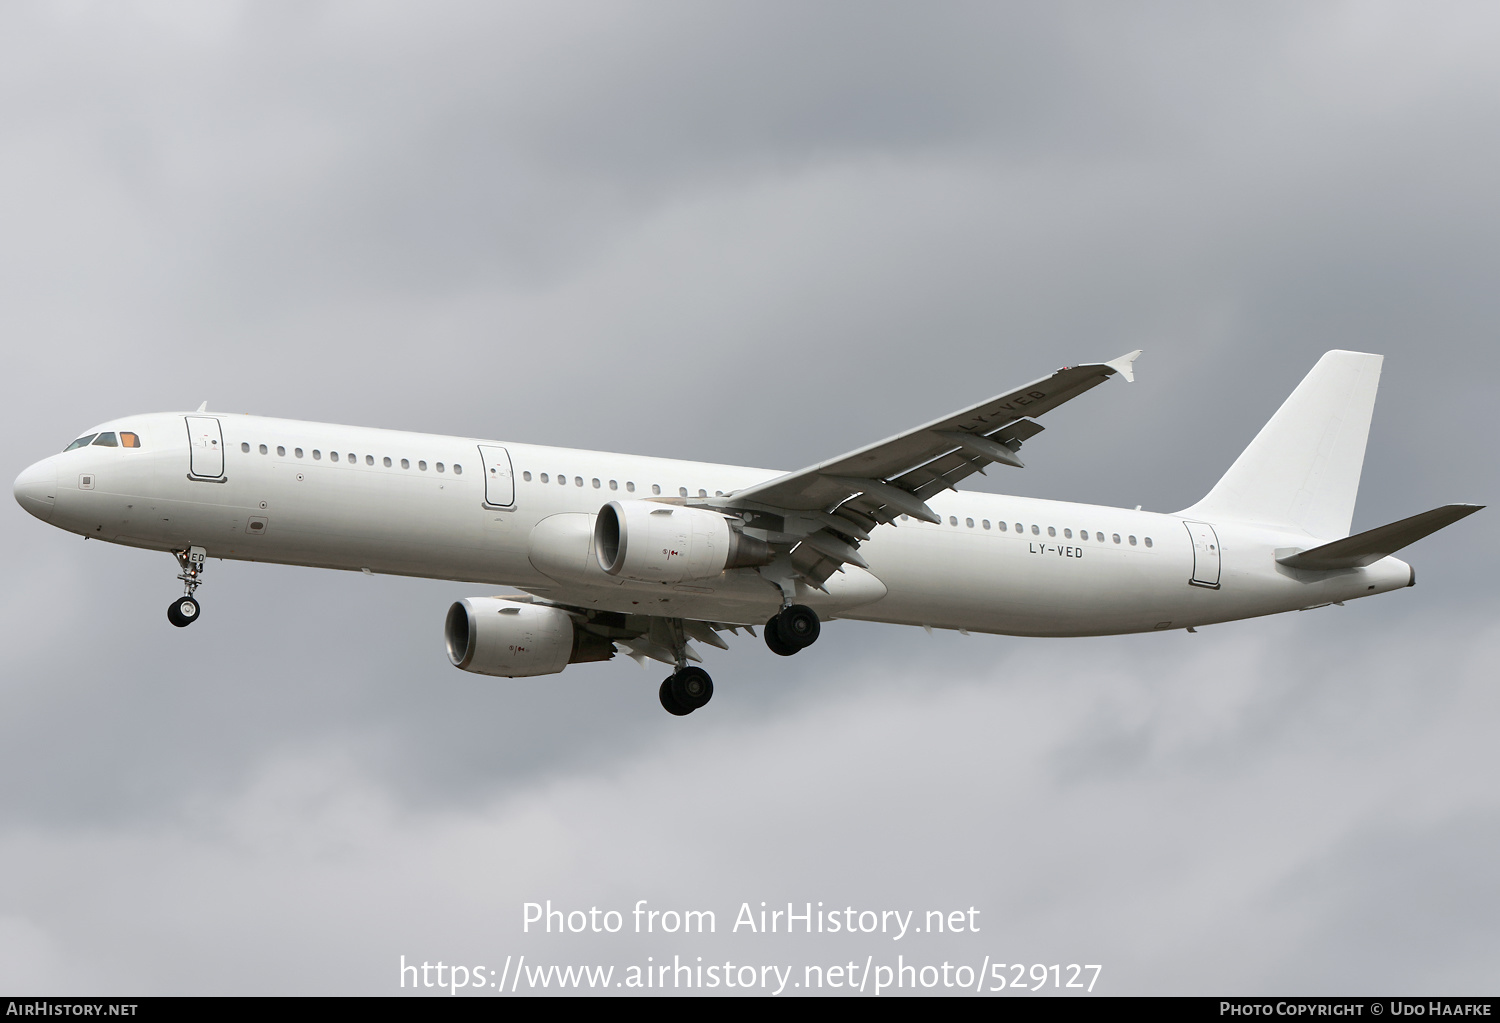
x=389 y=502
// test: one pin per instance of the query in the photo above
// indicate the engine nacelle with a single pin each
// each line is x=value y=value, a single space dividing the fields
x=497 y=636
x=650 y=542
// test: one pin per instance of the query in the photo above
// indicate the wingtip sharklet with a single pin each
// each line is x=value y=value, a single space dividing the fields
x=1125 y=365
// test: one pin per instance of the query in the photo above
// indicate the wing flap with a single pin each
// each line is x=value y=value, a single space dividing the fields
x=644 y=637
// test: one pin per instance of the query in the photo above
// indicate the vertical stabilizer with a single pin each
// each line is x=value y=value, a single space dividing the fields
x=1302 y=469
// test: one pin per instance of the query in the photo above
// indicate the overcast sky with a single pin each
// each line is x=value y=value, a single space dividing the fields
x=764 y=234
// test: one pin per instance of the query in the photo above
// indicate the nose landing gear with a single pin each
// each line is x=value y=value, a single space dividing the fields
x=183 y=611
x=794 y=628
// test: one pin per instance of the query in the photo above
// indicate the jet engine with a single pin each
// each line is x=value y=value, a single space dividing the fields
x=505 y=637
x=649 y=542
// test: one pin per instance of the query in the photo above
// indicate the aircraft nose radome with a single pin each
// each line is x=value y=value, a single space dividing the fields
x=36 y=489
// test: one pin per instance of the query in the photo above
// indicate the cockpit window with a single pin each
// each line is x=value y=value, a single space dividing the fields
x=106 y=440
x=80 y=442
x=129 y=440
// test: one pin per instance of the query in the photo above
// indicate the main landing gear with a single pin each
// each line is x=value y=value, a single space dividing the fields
x=794 y=628
x=183 y=611
x=686 y=690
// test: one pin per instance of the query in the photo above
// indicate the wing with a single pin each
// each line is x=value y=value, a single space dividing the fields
x=833 y=505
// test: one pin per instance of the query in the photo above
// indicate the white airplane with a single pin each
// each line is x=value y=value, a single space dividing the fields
x=649 y=555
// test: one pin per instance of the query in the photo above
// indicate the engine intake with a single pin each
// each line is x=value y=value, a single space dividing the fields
x=649 y=542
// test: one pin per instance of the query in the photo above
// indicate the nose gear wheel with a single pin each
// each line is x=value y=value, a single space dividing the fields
x=183 y=612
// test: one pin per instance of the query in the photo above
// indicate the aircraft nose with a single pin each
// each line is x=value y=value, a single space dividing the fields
x=36 y=489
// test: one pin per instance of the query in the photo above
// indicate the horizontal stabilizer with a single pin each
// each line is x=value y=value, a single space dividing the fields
x=1373 y=544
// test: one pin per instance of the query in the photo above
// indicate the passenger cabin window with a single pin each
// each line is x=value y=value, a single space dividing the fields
x=245 y=447
x=629 y=487
x=317 y=454
x=526 y=475
x=280 y=451
x=458 y=470
x=369 y=459
x=546 y=478
x=439 y=467
x=265 y=450
x=387 y=461
x=405 y=464
x=656 y=488
x=1002 y=527
x=297 y=452
x=353 y=458
x=422 y=465
x=682 y=491
x=1148 y=541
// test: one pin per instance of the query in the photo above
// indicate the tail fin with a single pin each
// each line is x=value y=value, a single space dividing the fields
x=1302 y=469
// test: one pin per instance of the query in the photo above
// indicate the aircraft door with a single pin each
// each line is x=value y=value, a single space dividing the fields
x=1205 y=554
x=206 y=447
x=499 y=478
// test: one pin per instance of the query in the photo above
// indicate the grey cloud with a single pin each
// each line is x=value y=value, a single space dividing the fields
x=761 y=235
x=908 y=796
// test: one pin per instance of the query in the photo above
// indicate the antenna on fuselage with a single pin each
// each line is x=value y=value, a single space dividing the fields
x=203 y=407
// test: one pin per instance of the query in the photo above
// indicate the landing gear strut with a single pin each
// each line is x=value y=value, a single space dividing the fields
x=685 y=691
x=183 y=611
x=794 y=628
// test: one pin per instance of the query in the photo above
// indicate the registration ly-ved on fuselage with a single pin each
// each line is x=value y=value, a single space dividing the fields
x=654 y=557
